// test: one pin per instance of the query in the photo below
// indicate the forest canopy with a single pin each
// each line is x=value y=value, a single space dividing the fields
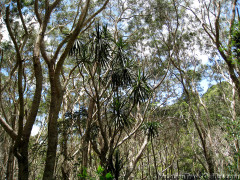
x=104 y=89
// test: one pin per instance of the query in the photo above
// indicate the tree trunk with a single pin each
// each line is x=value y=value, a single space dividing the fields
x=210 y=163
x=64 y=167
x=22 y=157
x=154 y=158
x=10 y=164
x=135 y=160
x=52 y=137
x=86 y=138
x=148 y=161
x=55 y=105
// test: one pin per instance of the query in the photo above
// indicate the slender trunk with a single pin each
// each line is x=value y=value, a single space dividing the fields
x=148 y=160
x=154 y=158
x=166 y=160
x=64 y=167
x=10 y=165
x=207 y=152
x=210 y=163
x=55 y=105
x=234 y=119
x=202 y=133
x=86 y=138
x=178 y=169
x=135 y=160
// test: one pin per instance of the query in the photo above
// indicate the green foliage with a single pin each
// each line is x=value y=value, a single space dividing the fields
x=236 y=41
x=121 y=74
x=141 y=89
x=121 y=77
x=108 y=176
x=84 y=173
x=151 y=128
x=99 y=172
x=96 y=49
x=194 y=75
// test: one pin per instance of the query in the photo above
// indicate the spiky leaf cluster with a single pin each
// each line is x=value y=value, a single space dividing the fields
x=120 y=113
x=141 y=88
x=151 y=129
x=95 y=49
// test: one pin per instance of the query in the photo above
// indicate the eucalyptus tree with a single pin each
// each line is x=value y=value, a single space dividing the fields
x=218 y=19
x=223 y=96
x=43 y=12
x=6 y=142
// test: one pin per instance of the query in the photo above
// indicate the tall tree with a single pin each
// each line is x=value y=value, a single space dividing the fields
x=44 y=13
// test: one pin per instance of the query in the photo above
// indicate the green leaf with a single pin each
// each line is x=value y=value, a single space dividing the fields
x=109 y=176
x=100 y=170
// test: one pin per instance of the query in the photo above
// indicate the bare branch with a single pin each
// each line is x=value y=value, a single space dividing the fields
x=72 y=38
x=137 y=158
x=21 y=17
x=8 y=129
x=36 y=12
x=11 y=34
x=96 y=13
x=54 y=4
x=9 y=77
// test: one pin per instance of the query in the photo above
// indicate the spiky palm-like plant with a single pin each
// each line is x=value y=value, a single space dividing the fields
x=120 y=114
x=141 y=89
x=96 y=49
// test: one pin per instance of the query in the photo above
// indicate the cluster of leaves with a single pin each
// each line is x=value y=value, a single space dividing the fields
x=122 y=66
x=114 y=56
x=99 y=173
x=151 y=129
x=77 y=115
x=101 y=48
x=73 y=118
x=120 y=112
x=236 y=40
x=95 y=49
x=141 y=89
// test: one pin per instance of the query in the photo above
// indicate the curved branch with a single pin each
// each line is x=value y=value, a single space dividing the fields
x=96 y=13
x=36 y=12
x=21 y=17
x=20 y=74
x=137 y=158
x=137 y=128
x=9 y=77
x=8 y=129
x=54 y=4
x=60 y=47
x=11 y=34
